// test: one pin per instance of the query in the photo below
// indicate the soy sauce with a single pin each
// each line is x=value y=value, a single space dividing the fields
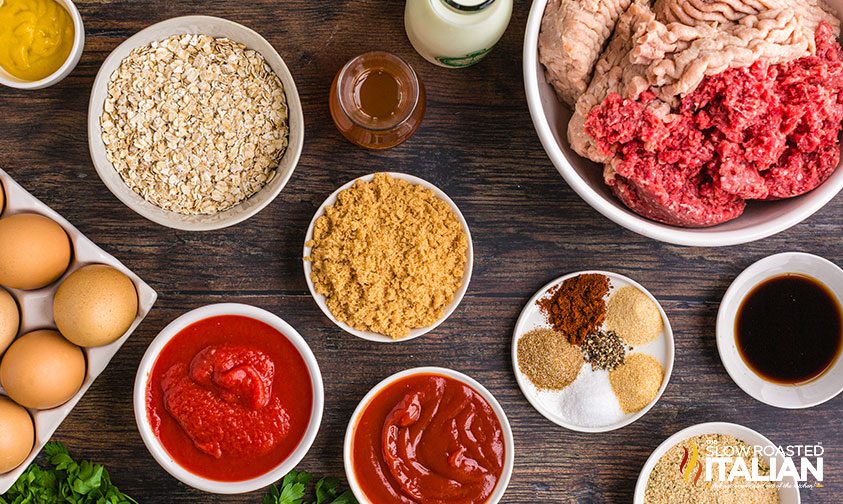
x=789 y=329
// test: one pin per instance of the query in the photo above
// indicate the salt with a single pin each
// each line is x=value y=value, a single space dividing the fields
x=589 y=401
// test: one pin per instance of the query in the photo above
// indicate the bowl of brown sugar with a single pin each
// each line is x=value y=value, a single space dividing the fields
x=388 y=257
x=593 y=351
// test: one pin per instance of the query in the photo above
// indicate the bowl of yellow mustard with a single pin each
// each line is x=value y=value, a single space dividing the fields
x=41 y=42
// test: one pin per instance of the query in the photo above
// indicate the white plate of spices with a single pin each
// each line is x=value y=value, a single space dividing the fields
x=593 y=351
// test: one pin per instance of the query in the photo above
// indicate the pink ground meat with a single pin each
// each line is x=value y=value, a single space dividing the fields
x=762 y=132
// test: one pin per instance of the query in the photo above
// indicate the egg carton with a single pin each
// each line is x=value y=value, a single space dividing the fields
x=36 y=308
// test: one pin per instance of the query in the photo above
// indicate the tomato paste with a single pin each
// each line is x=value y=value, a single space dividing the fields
x=428 y=439
x=230 y=398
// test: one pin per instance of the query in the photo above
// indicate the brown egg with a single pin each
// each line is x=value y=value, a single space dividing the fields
x=34 y=251
x=17 y=434
x=9 y=319
x=95 y=305
x=42 y=370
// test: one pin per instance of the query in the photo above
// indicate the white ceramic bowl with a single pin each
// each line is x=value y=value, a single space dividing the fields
x=550 y=118
x=789 y=495
x=509 y=441
x=70 y=63
x=415 y=333
x=215 y=27
x=817 y=391
x=153 y=444
x=662 y=349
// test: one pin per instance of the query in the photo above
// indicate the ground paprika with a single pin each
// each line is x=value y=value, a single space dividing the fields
x=577 y=306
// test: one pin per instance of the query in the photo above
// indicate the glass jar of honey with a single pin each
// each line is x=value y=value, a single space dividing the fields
x=377 y=101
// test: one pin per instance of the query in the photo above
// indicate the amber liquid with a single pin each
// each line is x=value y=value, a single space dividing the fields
x=377 y=101
x=378 y=94
x=789 y=329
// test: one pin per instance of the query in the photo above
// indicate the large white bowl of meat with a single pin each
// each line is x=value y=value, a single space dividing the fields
x=695 y=122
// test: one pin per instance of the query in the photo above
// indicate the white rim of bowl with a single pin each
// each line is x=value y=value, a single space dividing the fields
x=509 y=440
x=414 y=333
x=154 y=445
x=687 y=433
x=69 y=64
x=623 y=217
x=726 y=336
x=522 y=380
x=295 y=113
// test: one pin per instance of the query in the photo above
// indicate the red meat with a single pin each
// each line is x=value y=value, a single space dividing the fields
x=762 y=132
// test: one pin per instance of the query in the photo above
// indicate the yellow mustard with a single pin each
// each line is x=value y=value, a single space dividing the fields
x=36 y=37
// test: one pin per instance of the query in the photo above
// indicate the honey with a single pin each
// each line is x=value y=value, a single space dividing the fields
x=377 y=100
x=379 y=94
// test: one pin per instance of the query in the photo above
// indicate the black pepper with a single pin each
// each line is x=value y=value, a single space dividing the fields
x=604 y=350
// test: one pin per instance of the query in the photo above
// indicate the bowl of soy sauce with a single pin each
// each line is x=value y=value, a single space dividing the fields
x=780 y=330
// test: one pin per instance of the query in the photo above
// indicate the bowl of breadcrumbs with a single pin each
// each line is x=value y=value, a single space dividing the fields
x=680 y=471
x=388 y=257
x=195 y=123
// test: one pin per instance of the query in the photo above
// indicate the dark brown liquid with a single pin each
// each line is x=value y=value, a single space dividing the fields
x=789 y=329
x=379 y=94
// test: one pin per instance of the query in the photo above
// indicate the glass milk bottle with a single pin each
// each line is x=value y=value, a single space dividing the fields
x=455 y=33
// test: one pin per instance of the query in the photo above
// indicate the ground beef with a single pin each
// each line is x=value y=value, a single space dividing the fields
x=761 y=132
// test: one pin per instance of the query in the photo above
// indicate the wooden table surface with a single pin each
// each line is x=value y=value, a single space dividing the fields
x=478 y=144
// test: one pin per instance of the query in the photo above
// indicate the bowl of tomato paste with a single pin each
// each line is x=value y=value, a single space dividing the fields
x=228 y=398
x=429 y=434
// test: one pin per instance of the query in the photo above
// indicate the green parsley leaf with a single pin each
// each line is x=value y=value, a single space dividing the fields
x=345 y=498
x=326 y=490
x=66 y=482
x=294 y=490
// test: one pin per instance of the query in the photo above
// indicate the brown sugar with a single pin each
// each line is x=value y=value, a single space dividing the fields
x=548 y=360
x=389 y=256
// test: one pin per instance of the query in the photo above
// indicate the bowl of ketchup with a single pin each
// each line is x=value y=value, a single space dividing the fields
x=429 y=434
x=228 y=398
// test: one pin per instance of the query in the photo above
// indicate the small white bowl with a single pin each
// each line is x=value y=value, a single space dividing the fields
x=415 y=333
x=550 y=118
x=817 y=391
x=214 y=27
x=509 y=441
x=70 y=63
x=153 y=444
x=788 y=495
x=662 y=349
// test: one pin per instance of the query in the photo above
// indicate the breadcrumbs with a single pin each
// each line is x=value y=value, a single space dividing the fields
x=548 y=360
x=389 y=256
x=634 y=316
x=675 y=482
x=636 y=382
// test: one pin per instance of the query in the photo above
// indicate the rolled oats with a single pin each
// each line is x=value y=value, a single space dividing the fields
x=195 y=124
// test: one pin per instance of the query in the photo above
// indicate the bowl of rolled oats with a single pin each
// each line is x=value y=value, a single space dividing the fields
x=195 y=123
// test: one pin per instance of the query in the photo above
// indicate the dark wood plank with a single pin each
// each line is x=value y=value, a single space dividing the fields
x=478 y=144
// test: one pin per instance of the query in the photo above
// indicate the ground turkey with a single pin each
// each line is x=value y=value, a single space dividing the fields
x=759 y=132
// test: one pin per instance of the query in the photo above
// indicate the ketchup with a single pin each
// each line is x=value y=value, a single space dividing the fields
x=428 y=438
